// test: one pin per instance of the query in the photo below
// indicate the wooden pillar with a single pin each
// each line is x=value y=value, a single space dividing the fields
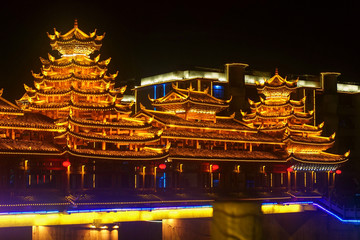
x=211 y=177
x=135 y=180
x=82 y=176
x=289 y=180
x=143 y=177
x=312 y=181
x=314 y=106
x=103 y=146
x=250 y=147
x=94 y=175
x=68 y=172
x=155 y=178
x=180 y=175
x=305 y=183
x=295 y=181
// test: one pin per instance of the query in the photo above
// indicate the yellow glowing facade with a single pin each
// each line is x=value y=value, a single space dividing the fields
x=80 y=95
x=190 y=120
x=277 y=136
x=97 y=219
x=74 y=113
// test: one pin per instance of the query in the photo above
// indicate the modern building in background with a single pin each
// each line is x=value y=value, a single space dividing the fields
x=211 y=131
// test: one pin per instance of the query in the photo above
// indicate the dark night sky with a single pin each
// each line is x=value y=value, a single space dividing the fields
x=152 y=37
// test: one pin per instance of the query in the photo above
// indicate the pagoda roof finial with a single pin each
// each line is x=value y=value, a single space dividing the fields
x=76 y=23
x=276 y=71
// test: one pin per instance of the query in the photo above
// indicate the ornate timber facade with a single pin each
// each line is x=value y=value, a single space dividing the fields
x=72 y=131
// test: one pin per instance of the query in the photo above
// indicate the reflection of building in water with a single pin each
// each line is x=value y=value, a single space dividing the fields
x=191 y=129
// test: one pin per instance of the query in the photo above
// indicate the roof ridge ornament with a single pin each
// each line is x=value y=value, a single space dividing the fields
x=347 y=153
x=76 y=23
x=276 y=71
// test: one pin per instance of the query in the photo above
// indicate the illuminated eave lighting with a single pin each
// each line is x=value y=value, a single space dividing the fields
x=74 y=55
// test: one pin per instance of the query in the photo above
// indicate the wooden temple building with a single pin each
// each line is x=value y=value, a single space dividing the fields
x=71 y=131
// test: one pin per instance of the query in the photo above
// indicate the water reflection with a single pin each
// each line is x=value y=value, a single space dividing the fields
x=126 y=230
x=274 y=226
x=87 y=232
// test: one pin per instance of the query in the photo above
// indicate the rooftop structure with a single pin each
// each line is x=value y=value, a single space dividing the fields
x=277 y=137
x=73 y=130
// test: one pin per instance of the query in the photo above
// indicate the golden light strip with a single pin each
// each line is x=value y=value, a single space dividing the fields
x=39 y=128
x=106 y=217
x=130 y=215
x=97 y=124
x=190 y=158
x=112 y=157
x=321 y=162
x=114 y=140
x=221 y=139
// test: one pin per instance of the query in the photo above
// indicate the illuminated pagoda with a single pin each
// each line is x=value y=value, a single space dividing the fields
x=73 y=131
x=283 y=118
x=265 y=150
x=78 y=96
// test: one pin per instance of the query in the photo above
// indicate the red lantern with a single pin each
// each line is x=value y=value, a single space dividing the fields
x=162 y=166
x=338 y=171
x=289 y=169
x=66 y=163
x=215 y=167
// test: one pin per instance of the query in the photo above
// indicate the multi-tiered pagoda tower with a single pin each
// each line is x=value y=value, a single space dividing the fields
x=78 y=92
x=78 y=98
x=281 y=117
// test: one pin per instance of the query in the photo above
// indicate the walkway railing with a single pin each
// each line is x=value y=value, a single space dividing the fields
x=345 y=212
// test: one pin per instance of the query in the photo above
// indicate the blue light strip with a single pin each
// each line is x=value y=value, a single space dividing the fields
x=164 y=85
x=269 y=203
x=30 y=212
x=107 y=210
x=289 y=203
x=164 y=180
x=350 y=221
x=137 y=209
x=353 y=221
x=154 y=91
